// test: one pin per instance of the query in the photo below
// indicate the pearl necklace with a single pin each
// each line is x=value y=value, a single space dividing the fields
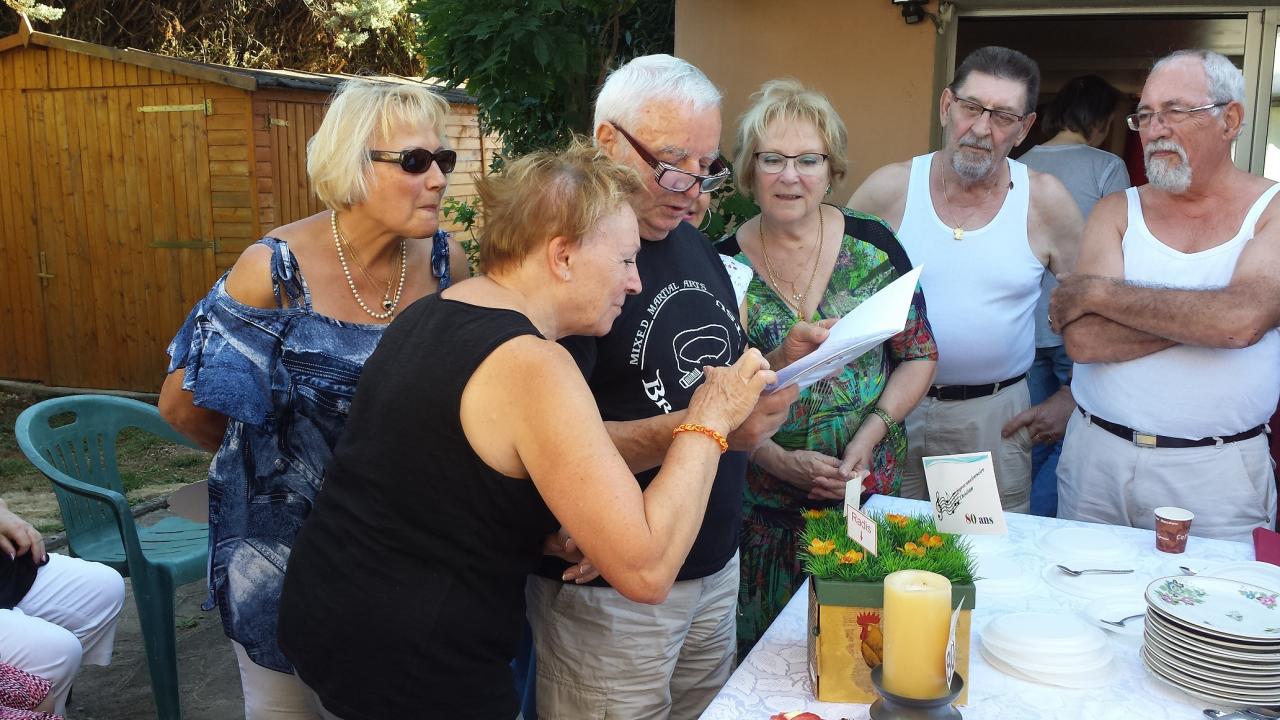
x=388 y=304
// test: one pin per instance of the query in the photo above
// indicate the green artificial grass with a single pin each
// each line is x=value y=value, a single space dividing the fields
x=952 y=560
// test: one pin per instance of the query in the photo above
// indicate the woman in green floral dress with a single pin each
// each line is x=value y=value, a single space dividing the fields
x=815 y=261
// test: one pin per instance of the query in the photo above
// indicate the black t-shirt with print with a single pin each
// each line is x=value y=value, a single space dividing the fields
x=685 y=317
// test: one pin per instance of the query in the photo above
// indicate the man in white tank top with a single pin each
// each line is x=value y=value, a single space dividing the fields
x=985 y=228
x=1172 y=320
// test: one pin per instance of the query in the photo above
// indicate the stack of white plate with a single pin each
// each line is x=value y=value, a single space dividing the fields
x=1214 y=638
x=1050 y=648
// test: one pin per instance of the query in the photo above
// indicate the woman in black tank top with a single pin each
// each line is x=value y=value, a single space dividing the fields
x=473 y=436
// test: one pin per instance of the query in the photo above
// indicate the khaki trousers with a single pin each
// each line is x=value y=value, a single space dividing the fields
x=1104 y=479
x=602 y=655
x=950 y=427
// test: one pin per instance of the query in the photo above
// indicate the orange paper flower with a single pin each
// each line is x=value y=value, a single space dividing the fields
x=912 y=549
x=851 y=557
x=818 y=546
x=814 y=514
x=931 y=541
x=899 y=520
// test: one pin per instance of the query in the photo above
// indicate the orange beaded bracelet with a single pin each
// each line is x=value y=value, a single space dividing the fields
x=709 y=432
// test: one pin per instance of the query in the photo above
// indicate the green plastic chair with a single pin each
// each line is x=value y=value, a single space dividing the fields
x=80 y=459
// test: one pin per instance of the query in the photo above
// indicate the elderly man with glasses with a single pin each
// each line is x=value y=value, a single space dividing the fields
x=985 y=228
x=1171 y=321
x=598 y=653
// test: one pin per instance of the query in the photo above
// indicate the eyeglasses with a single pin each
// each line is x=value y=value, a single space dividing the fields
x=673 y=178
x=1170 y=116
x=1000 y=118
x=416 y=161
x=806 y=163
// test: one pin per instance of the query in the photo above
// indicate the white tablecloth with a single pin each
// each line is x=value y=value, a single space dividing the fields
x=775 y=675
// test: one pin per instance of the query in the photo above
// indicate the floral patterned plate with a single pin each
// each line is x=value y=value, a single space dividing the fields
x=1208 y=691
x=1184 y=630
x=1218 y=606
x=1208 y=660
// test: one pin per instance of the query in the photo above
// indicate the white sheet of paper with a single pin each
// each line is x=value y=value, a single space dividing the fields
x=877 y=319
x=963 y=491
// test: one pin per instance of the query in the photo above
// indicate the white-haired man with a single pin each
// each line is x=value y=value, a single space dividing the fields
x=598 y=653
x=985 y=228
x=1172 y=319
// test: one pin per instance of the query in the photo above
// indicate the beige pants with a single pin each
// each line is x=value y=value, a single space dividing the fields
x=1104 y=479
x=950 y=427
x=602 y=655
x=273 y=695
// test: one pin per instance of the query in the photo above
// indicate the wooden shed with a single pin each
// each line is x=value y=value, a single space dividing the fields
x=132 y=180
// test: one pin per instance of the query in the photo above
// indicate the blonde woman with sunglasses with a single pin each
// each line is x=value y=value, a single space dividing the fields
x=265 y=367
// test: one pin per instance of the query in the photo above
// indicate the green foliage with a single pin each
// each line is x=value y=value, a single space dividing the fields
x=534 y=65
x=953 y=560
x=466 y=213
x=351 y=36
x=730 y=207
x=35 y=10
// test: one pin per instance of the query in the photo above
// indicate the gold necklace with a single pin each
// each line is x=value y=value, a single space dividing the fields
x=385 y=284
x=796 y=299
x=957 y=231
x=388 y=304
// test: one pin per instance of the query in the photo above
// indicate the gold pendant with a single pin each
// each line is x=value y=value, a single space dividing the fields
x=957 y=233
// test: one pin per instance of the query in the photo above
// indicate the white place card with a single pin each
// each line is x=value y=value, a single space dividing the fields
x=861 y=529
x=962 y=489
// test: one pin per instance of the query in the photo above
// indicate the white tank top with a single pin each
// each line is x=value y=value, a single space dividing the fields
x=1185 y=391
x=981 y=292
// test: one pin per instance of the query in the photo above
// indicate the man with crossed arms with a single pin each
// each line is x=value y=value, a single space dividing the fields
x=1172 y=319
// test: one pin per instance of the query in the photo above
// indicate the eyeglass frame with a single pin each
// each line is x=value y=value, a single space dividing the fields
x=661 y=168
x=755 y=157
x=993 y=111
x=398 y=157
x=1131 y=120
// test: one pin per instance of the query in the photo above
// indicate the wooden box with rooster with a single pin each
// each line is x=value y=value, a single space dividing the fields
x=845 y=641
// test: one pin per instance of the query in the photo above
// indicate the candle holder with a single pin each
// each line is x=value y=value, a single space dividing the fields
x=896 y=707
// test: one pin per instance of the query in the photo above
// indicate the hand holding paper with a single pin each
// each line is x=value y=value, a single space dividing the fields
x=877 y=319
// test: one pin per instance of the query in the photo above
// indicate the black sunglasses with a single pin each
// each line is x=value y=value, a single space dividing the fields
x=417 y=160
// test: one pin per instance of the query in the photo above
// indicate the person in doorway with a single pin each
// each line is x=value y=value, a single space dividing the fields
x=1077 y=122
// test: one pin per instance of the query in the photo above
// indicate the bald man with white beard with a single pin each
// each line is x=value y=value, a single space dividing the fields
x=1171 y=321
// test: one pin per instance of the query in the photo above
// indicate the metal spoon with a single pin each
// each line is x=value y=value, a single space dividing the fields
x=1092 y=571
x=1186 y=570
x=1120 y=623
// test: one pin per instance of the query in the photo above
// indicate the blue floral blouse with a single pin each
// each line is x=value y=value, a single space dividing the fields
x=284 y=377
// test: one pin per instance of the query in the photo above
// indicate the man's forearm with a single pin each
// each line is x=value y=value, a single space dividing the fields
x=1229 y=317
x=643 y=443
x=1096 y=339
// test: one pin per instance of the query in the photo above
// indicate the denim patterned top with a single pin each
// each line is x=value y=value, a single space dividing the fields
x=284 y=377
